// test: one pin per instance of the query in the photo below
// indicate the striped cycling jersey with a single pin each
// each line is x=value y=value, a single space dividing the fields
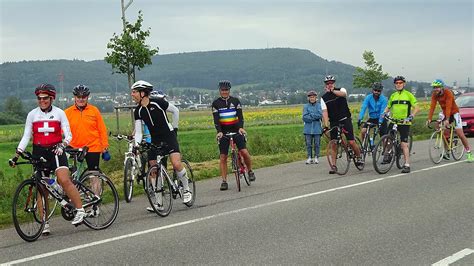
x=227 y=114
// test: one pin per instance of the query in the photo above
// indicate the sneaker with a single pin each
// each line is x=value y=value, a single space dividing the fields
x=447 y=157
x=316 y=161
x=46 y=230
x=79 y=217
x=333 y=170
x=469 y=157
x=309 y=161
x=157 y=206
x=224 y=185
x=251 y=176
x=187 y=196
x=406 y=169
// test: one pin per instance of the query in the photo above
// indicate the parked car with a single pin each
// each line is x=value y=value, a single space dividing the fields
x=465 y=103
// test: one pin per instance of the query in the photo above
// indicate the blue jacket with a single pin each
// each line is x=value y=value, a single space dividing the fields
x=312 y=114
x=376 y=108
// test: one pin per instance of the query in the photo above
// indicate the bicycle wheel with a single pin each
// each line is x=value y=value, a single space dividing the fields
x=383 y=155
x=363 y=153
x=436 y=147
x=235 y=168
x=100 y=200
x=340 y=155
x=399 y=158
x=128 y=173
x=191 y=181
x=243 y=170
x=457 y=148
x=158 y=190
x=28 y=217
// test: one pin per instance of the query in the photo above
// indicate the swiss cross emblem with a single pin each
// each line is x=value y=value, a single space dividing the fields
x=46 y=129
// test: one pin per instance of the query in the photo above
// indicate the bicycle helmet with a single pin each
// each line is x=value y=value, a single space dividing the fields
x=312 y=93
x=142 y=85
x=46 y=89
x=224 y=84
x=437 y=83
x=377 y=86
x=81 y=90
x=329 y=78
x=157 y=94
x=399 y=78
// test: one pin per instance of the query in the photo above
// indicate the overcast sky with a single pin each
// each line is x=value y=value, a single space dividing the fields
x=421 y=40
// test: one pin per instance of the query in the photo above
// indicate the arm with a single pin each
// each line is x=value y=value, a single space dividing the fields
x=138 y=131
x=363 y=108
x=414 y=103
x=449 y=103
x=432 y=107
x=240 y=115
x=215 y=114
x=325 y=113
x=340 y=93
x=26 y=134
x=65 y=127
x=104 y=139
x=175 y=113
x=383 y=107
x=306 y=115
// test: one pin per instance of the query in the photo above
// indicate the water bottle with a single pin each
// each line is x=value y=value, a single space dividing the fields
x=371 y=141
x=52 y=183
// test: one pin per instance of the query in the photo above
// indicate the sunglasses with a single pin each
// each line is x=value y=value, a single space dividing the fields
x=377 y=90
x=329 y=82
x=43 y=98
x=224 y=89
x=399 y=82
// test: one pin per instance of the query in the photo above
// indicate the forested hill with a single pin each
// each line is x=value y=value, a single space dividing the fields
x=264 y=69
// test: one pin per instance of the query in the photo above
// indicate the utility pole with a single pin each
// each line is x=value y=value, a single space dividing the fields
x=61 y=86
x=124 y=21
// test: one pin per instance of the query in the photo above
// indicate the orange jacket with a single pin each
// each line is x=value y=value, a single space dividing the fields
x=87 y=128
x=447 y=103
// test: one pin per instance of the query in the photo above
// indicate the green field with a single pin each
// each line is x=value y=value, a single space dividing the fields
x=274 y=137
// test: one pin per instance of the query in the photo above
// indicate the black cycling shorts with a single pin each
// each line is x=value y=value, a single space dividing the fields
x=93 y=159
x=172 y=146
x=404 y=131
x=53 y=161
x=347 y=126
x=224 y=143
x=383 y=126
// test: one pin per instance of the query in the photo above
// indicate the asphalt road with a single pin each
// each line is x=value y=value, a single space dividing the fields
x=293 y=214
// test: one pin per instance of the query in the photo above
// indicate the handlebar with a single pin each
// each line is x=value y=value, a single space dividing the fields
x=29 y=159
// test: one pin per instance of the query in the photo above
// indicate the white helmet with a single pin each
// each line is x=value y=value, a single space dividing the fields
x=142 y=85
x=329 y=78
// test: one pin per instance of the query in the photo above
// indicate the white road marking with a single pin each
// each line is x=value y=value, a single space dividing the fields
x=455 y=257
x=95 y=243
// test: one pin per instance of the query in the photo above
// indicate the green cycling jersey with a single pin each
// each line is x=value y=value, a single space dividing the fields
x=400 y=104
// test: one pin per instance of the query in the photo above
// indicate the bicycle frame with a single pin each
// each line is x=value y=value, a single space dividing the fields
x=442 y=136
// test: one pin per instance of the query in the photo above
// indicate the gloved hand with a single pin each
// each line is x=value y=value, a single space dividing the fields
x=410 y=118
x=359 y=122
x=12 y=161
x=59 y=148
x=106 y=156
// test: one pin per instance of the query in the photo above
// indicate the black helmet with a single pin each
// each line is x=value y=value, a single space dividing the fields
x=46 y=89
x=377 y=86
x=224 y=84
x=397 y=78
x=329 y=78
x=81 y=90
x=312 y=93
x=142 y=85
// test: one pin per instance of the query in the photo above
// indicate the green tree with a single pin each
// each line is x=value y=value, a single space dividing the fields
x=365 y=77
x=129 y=51
x=420 y=92
x=14 y=106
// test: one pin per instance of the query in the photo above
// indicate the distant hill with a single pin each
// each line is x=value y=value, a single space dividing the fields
x=261 y=69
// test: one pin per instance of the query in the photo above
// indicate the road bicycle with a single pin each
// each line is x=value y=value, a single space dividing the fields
x=442 y=143
x=161 y=188
x=369 y=139
x=134 y=169
x=30 y=210
x=339 y=152
x=238 y=164
x=388 y=150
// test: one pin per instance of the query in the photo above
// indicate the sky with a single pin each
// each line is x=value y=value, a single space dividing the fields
x=421 y=40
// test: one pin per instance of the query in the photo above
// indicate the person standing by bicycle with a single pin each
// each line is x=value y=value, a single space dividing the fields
x=400 y=104
x=450 y=111
x=334 y=101
x=228 y=118
x=152 y=112
x=376 y=104
x=312 y=114
x=47 y=124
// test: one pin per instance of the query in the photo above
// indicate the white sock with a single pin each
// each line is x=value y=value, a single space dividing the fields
x=182 y=175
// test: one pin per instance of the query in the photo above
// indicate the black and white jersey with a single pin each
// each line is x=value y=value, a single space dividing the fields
x=154 y=117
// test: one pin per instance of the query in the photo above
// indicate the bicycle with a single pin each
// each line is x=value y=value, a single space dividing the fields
x=238 y=165
x=388 y=150
x=341 y=151
x=134 y=166
x=29 y=199
x=440 y=144
x=160 y=188
x=368 y=141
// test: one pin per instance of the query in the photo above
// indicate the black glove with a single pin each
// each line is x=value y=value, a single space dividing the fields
x=359 y=123
x=12 y=161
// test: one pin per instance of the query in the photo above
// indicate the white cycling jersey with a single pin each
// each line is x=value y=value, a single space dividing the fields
x=45 y=127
